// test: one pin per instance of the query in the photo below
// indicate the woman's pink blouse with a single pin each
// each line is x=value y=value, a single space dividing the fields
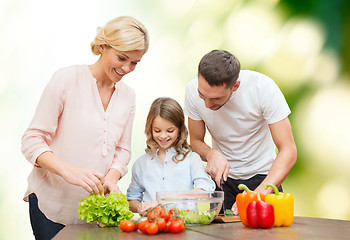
x=70 y=121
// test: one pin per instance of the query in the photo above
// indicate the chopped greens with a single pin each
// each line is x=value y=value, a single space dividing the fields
x=109 y=211
x=202 y=217
x=228 y=212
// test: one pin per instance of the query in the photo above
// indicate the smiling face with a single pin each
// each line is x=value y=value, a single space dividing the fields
x=214 y=96
x=116 y=64
x=164 y=133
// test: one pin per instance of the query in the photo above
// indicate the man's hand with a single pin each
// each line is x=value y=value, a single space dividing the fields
x=217 y=166
x=234 y=209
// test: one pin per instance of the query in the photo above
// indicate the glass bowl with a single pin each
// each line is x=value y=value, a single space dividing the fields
x=196 y=207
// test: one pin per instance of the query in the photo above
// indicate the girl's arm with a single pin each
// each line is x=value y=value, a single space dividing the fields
x=141 y=207
x=134 y=205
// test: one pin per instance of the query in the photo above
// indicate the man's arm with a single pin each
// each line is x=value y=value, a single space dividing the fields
x=287 y=155
x=217 y=164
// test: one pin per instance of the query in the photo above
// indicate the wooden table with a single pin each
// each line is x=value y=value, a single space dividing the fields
x=302 y=228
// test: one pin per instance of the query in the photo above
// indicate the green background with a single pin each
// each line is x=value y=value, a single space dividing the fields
x=300 y=44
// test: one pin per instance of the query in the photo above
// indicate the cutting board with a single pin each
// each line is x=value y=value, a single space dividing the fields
x=227 y=219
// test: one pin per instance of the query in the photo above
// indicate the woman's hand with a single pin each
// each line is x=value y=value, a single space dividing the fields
x=88 y=179
x=110 y=181
x=110 y=185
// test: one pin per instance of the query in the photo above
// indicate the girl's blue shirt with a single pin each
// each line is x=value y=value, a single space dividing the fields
x=150 y=176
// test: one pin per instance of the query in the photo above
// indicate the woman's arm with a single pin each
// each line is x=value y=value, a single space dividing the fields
x=110 y=182
x=88 y=179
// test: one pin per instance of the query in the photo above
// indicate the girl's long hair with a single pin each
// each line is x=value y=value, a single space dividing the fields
x=170 y=110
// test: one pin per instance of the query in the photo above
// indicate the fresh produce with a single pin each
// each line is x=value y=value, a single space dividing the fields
x=260 y=214
x=244 y=200
x=229 y=212
x=128 y=226
x=191 y=217
x=176 y=226
x=283 y=204
x=158 y=219
x=108 y=211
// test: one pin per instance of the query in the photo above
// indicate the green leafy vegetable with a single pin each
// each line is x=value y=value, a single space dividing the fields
x=228 y=212
x=203 y=217
x=109 y=211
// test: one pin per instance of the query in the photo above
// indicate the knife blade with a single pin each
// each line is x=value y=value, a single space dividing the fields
x=222 y=184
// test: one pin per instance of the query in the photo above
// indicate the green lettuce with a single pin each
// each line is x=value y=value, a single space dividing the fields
x=109 y=211
x=202 y=217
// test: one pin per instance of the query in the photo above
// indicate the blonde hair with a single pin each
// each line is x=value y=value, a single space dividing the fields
x=123 y=34
x=170 y=110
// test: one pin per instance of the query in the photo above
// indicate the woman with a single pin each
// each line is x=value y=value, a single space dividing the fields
x=79 y=138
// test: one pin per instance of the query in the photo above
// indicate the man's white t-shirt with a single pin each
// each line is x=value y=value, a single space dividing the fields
x=239 y=129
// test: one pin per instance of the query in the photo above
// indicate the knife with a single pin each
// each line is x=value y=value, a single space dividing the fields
x=222 y=183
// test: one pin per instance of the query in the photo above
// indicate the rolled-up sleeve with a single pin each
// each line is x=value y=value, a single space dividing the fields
x=135 y=190
x=37 y=138
x=200 y=178
x=123 y=150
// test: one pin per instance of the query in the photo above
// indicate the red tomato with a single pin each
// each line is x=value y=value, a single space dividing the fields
x=161 y=223
x=151 y=228
x=174 y=211
x=158 y=209
x=143 y=225
x=127 y=226
x=136 y=225
x=165 y=214
x=152 y=216
x=167 y=226
x=177 y=226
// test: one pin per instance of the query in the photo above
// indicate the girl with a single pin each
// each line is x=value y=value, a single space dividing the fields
x=169 y=164
x=79 y=138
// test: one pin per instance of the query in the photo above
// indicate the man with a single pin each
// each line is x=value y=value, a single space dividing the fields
x=246 y=115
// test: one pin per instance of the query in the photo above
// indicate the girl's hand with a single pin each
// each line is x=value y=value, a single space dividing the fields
x=88 y=179
x=144 y=206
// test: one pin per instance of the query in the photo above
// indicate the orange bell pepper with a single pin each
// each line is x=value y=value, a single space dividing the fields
x=244 y=200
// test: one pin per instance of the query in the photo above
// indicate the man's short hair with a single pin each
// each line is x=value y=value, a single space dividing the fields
x=219 y=67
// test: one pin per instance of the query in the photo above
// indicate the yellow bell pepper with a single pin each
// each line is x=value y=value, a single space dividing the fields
x=283 y=204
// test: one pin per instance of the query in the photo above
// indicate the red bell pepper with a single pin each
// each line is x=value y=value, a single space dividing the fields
x=260 y=214
x=244 y=200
